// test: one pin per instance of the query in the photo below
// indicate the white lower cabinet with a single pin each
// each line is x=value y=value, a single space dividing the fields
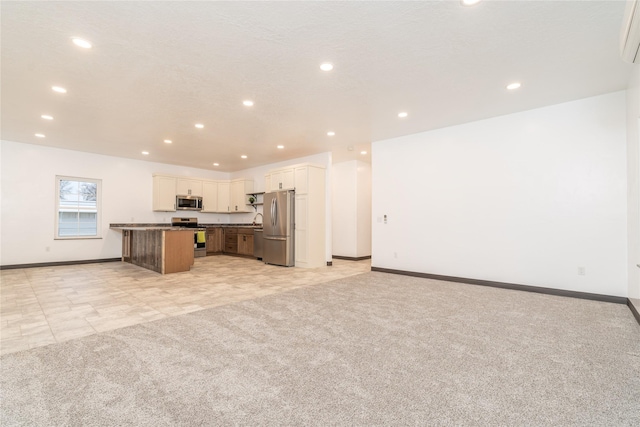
x=164 y=193
x=301 y=232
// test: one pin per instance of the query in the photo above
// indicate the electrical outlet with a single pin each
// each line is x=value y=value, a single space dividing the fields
x=582 y=271
x=385 y=219
x=395 y=255
x=47 y=249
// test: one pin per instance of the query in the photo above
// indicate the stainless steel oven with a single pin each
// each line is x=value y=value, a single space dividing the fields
x=200 y=243
x=199 y=234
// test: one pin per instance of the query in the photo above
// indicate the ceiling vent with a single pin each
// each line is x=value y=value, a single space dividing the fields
x=630 y=33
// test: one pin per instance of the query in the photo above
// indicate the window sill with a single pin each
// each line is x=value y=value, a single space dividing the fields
x=78 y=238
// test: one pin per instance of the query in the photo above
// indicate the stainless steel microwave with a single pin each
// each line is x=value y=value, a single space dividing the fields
x=188 y=203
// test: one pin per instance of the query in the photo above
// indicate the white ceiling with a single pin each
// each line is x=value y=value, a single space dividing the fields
x=157 y=68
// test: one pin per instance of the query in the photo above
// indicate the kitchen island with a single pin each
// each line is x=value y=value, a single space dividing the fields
x=161 y=249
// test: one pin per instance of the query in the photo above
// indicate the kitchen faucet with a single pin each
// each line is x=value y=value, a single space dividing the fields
x=254 y=218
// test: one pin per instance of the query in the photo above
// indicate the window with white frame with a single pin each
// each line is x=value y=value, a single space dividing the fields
x=77 y=207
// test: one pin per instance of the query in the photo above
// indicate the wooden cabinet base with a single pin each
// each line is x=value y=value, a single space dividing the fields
x=215 y=240
x=163 y=251
x=230 y=241
x=245 y=244
x=178 y=251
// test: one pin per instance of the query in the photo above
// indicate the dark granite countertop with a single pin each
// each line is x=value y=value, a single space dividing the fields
x=162 y=226
x=137 y=227
x=231 y=225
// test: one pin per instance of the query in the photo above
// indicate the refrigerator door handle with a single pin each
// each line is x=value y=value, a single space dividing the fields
x=275 y=212
x=272 y=202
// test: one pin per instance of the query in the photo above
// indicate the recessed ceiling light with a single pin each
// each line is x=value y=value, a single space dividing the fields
x=326 y=66
x=168 y=141
x=280 y=147
x=146 y=153
x=243 y=156
x=59 y=89
x=81 y=43
x=40 y=135
x=247 y=103
x=199 y=125
x=363 y=152
x=216 y=164
x=514 y=85
x=403 y=114
x=470 y=2
x=331 y=133
x=47 y=117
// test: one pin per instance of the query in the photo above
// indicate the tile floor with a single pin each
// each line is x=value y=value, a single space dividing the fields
x=41 y=306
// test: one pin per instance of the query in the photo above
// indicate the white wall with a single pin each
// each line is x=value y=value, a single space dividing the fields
x=28 y=201
x=351 y=209
x=257 y=174
x=633 y=183
x=345 y=211
x=526 y=198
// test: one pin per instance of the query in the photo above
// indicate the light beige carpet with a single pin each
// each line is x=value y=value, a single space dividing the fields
x=373 y=349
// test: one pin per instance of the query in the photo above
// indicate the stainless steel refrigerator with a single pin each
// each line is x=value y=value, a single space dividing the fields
x=278 y=226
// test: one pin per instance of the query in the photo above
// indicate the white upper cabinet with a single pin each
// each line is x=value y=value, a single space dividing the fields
x=302 y=179
x=239 y=198
x=217 y=196
x=223 y=197
x=271 y=182
x=209 y=196
x=189 y=187
x=294 y=177
x=288 y=182
x=267 y=183
x=164 y=193
x=282 y=179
